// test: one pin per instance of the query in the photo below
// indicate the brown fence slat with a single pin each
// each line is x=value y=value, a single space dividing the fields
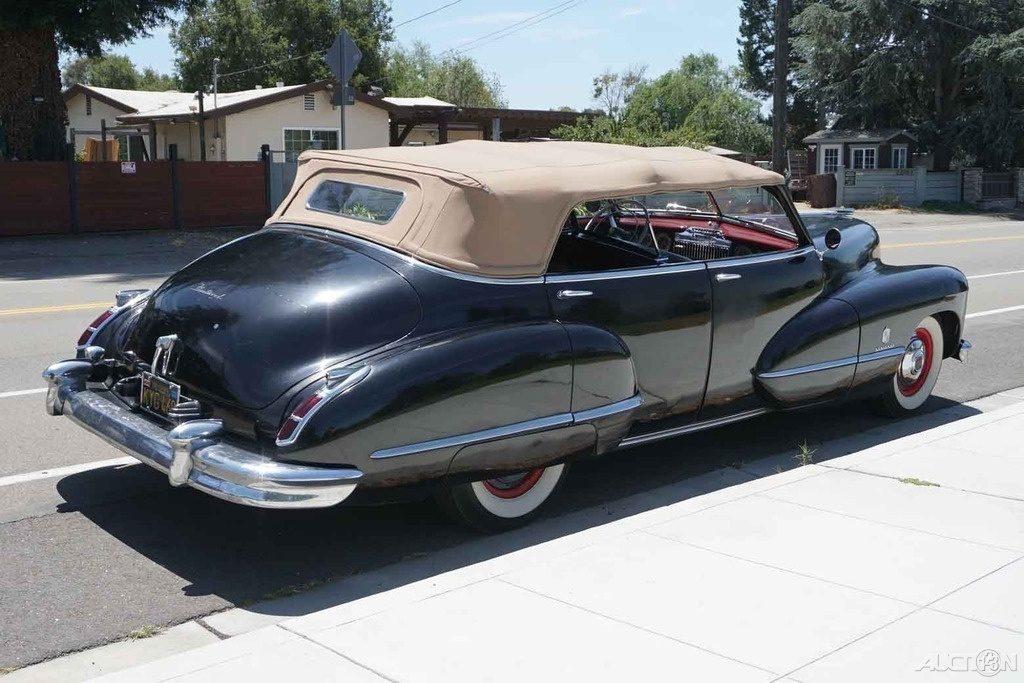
x=34 y=198
x=111 y=200
x=222 y=193
x=821 y=190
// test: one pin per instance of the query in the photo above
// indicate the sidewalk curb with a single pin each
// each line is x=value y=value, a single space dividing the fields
x=290 y=619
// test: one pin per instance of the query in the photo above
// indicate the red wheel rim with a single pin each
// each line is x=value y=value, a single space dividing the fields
x=915 y=386
x=499 y=488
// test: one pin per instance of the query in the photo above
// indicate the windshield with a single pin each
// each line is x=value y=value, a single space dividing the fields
x=753 y=205
x=696 y=202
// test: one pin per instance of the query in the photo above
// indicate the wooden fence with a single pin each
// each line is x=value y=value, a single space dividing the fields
x=42 y=197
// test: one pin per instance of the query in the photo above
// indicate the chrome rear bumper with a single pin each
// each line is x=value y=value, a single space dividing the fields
x=194 y=452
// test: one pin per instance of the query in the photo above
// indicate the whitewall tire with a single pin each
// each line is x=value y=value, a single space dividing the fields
x=918 y=370
x=503 y=502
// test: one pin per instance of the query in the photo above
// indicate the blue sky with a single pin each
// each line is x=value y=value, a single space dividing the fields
x=551 y=63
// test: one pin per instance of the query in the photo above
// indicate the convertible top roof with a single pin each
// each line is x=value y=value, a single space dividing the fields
x=497 y=208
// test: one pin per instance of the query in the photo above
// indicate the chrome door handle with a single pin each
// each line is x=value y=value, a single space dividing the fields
x=572 y=293
x=725 y=277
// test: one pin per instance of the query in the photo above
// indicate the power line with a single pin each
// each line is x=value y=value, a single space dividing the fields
x=930 y=14
x=516 y=26
x=427 y=14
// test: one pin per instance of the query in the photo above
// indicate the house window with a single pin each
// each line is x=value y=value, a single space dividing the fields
x=296 y=140
x=899 y=156
x=865 y=157
x=309 y=102
x=88 y=105
x=829 y=159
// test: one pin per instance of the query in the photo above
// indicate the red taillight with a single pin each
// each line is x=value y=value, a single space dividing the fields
x=95 y=325
x=293 y=421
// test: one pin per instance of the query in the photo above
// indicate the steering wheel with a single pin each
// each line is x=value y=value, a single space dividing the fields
x=640 y=234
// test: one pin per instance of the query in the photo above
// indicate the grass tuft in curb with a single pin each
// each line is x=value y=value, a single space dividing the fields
x=144 y=632
x=917 y=482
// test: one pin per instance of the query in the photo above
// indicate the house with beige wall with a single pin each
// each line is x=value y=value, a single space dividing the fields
x=233 y=126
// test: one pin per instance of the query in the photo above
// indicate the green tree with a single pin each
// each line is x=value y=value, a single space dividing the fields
x=32 y=111
x=244 y=34
x=946 y=68
x=114 y=71
x=757 y=65
x=615 y=90
x=417 y=72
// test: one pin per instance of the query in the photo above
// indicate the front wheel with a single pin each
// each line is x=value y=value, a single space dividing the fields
x=917 y=373
x=504 y=502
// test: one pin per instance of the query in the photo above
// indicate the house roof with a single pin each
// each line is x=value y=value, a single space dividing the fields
x=419 y=102
x=857 y=135
x=496 y=208
x=128 y=101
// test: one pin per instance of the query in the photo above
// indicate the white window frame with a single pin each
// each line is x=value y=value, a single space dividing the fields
x=839 y=157
x=309 y=128
x=864 y=148
x=904 y=153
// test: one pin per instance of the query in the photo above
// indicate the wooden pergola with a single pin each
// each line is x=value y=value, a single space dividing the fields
x=494 y=123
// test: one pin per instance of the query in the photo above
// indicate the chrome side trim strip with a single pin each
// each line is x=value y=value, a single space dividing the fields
x=527 y=427
x=884 y=354
x=813 y=367
x=831 y=364
x=686 y=429
x=628 y=272
x=591 y=414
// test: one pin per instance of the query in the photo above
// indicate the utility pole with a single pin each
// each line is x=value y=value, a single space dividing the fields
x=216 y=123
x=782 y=12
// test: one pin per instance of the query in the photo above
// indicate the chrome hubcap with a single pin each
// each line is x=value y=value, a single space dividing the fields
x=913 y=360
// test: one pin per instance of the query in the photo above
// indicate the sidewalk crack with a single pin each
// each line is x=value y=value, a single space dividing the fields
x=340 y=654
x=220 y=634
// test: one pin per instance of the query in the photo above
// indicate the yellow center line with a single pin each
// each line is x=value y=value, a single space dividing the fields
x=963 y=241
x=55 y=309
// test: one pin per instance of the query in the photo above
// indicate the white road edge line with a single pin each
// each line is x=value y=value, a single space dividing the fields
x=994 y=311
x=22 y=392
x=1005 y=272
x=65 y=471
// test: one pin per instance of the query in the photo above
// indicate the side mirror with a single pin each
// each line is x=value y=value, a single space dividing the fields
x=832 y=238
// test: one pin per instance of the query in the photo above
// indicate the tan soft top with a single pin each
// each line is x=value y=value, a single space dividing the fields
x=497 y=208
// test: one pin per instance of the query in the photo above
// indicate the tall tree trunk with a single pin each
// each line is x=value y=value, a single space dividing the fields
x=32 y=110
x=780 y=86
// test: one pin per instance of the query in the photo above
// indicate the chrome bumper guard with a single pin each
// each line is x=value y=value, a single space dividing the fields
x=963 y=349
x=193 y=453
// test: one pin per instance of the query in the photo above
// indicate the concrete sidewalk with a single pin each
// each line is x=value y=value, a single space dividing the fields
x=898 y=562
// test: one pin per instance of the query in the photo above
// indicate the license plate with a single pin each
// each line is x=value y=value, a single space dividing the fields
x=158 y=395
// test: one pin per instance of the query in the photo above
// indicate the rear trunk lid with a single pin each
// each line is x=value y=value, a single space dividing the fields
x=265 y=312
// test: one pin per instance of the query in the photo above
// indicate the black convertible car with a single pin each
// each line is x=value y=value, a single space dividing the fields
x=473 y=316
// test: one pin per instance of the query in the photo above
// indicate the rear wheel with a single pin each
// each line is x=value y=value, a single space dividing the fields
x=503 y=502
x=918 y=371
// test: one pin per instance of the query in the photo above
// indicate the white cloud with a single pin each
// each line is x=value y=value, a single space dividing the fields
x=631 y=12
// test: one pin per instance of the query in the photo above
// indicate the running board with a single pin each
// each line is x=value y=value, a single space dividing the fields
x=641 y=439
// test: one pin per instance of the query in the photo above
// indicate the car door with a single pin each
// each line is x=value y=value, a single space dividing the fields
x=661 y=313
x=753 y=297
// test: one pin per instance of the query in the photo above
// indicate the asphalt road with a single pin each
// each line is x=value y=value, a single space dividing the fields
x=86 y=556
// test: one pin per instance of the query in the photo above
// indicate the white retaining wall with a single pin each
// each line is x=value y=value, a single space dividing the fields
x=910 y=185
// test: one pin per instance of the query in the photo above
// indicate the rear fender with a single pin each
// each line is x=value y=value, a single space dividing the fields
x=431 y=391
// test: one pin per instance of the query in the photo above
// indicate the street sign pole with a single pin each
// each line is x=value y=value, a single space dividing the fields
x=342 y=59
x=344 y=87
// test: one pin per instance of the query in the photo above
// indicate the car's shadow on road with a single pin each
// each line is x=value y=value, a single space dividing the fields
x=245 y=555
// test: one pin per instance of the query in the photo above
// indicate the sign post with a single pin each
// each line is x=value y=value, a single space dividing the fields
x=342 y=59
